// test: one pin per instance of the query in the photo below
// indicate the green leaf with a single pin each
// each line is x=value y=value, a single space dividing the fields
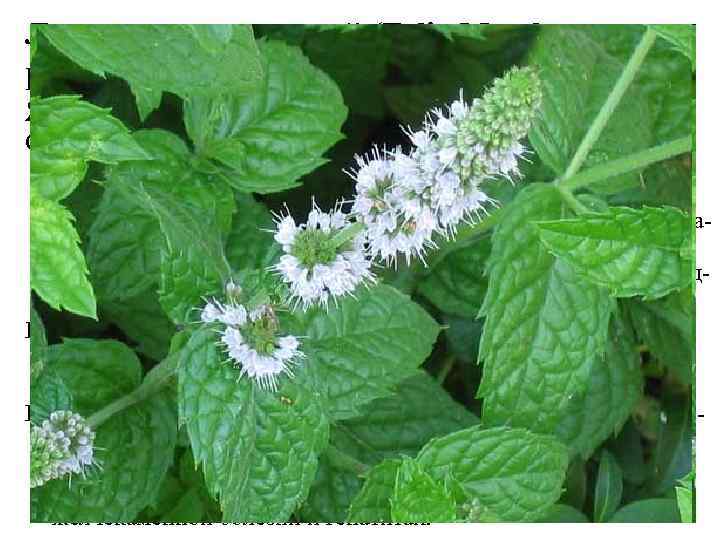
x=648 y=511
x=629 y=251
x=194 y=213
x=681 y=36
x=544 y=325
x=258 y=449
x=456 y=284
x=57 y=266
x=474 y=31
x=134 y=447
x=666 y=327
x=577 y=76
x=513 y=473
x=562 y=513
x=173 y=57
x=48 y=393
x=372 y=504
x=665 y=78
x=614 y=387
x=420 y=499
x=672 y=455
x=142 y=319
x=608 y=487
x=396 y=425
x=362 y=348
x=249 y=244
x=67 y=132
x=38 y=345
x=270 y=138
x=685 y=493
x=357 y=61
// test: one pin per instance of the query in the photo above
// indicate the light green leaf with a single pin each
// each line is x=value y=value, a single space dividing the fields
x=544 y=325
x=681 y=36
x=372 y=504
x=577 y=76
x=57 y=266
x=170 y=57
x=457 y=284
x=666 y=327
x=359 y=350
x=516 y=475
x=685 y=494
x=38 y=344
x=390 y=427
x=608 y=487
x=418 y=498
x=67 y=132
x=269 y=138
x=629 y=251
x=134 y=447
x=258 y=449
x=614 y=387
x=450 y=31
x=648 y=511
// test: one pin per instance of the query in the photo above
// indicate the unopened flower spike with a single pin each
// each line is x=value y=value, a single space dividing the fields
x=325 y=258
x=62 y=445
x=252 y=340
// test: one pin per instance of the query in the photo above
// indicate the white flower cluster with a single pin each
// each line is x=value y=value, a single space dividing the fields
x=251 y=341
x=403 y=199
x=324 y=258
x=62 y=445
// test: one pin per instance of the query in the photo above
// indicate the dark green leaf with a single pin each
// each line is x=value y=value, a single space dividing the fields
x=38 y=344
x=250 y=245
x=544 y=325
x=648 y=511
x=608 y=487
x=457 y=284
x=258 y=449
x=562 y=513
x=362 y=348
x=134 y=447
x=272 y=137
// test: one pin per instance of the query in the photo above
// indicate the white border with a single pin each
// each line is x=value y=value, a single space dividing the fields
x=15 y=233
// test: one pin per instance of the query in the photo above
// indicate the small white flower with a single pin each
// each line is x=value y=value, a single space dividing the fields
x=317 y=270
x=210 y=313
x=252 y=344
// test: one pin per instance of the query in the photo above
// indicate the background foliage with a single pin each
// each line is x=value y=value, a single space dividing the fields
x=540 y=368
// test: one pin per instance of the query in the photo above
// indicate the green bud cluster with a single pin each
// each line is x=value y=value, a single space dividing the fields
x=62 y=445
x=314 y=246
x=45 y=455
x=505 y=112
x=498 y=120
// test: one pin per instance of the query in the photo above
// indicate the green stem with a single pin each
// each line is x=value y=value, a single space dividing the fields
x=345 y=462
x=154 y=381
x=571 y=201
x=627 y=163
x=446 y=368
x=348 y=233
x=603 y=116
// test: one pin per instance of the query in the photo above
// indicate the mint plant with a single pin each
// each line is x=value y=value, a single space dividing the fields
x=362 y=273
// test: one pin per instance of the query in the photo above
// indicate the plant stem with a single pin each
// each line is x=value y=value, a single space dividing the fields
x=571 y=201
x=154 y=380
x=446 y=368
x=346 y=234
x=627 y=163
x=345 y=462
x=603 y=116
